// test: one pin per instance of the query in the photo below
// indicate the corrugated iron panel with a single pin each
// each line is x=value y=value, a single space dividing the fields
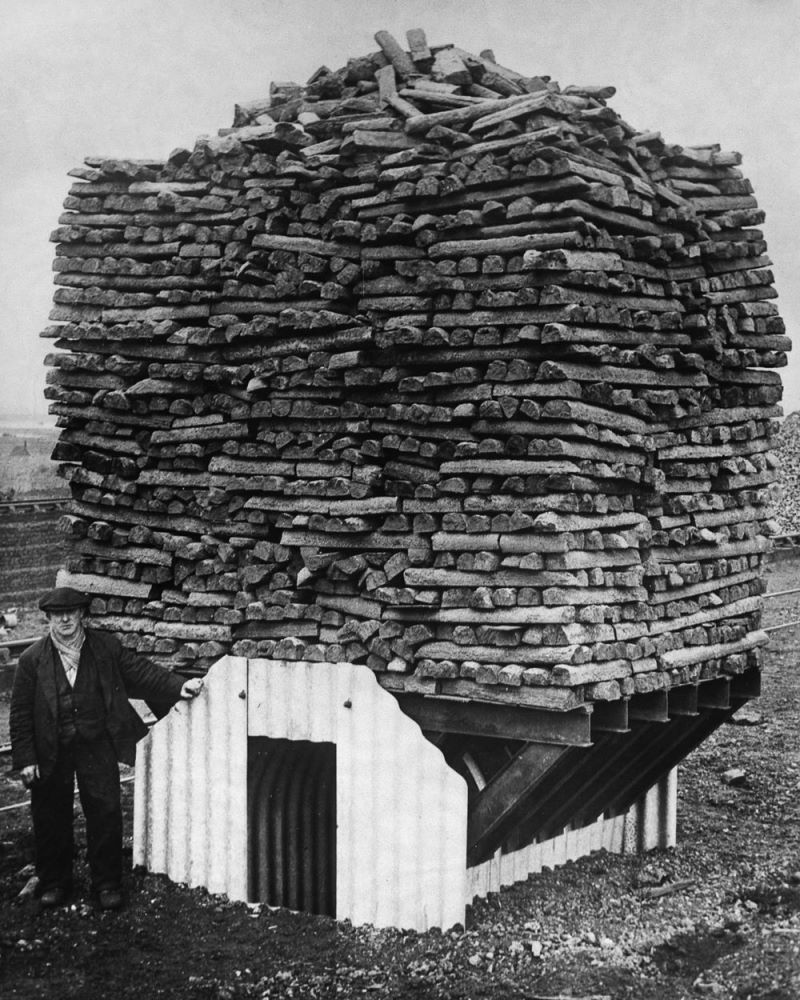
x=292 y=824
x=506 y=869
x=651 y=821
x=295 y=700
x=190 y=814
x=401 y=811
x=648 y=824
x=401 y=806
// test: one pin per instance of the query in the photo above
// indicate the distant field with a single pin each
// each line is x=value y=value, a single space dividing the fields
x=31 y=547
x=25 y=468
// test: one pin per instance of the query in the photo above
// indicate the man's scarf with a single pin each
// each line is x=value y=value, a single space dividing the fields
x=70 y=651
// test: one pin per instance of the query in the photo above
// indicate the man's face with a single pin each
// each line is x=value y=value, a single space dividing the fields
x=66 y=623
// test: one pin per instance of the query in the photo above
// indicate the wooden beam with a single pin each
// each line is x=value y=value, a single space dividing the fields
x=493 y=812
x=508 y=722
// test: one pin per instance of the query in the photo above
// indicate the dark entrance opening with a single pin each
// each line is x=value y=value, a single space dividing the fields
x=291 y=811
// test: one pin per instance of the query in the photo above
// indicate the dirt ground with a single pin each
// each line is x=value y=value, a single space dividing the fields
x=717 y=916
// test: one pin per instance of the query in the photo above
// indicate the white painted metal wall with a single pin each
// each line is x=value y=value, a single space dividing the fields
x=401 y=811
x=652 y=821
x=649 y=823
x=190 y=800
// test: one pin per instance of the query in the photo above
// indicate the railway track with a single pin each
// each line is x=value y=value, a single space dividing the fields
x=38 y=505
x=786 y=541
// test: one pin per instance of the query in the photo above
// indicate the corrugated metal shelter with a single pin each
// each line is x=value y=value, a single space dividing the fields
x=398 y=826
x=305 y=784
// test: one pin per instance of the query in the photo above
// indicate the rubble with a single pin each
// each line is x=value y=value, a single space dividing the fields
x=787 y=450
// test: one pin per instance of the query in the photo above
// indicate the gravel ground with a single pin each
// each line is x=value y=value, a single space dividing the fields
x=719 y=915
x=787 y=449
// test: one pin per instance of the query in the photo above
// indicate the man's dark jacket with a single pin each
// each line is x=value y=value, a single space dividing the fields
x=33 y=719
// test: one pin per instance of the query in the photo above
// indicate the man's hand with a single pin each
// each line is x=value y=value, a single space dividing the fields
x=191 y=688
x=29 y=774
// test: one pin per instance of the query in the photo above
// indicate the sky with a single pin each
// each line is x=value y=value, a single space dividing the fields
x=137 y=79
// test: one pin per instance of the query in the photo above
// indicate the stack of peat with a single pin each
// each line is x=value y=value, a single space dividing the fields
x=427 y=365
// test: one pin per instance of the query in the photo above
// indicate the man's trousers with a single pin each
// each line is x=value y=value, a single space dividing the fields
x=94 y=765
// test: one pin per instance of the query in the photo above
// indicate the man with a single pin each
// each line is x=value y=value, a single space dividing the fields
x=70 y=718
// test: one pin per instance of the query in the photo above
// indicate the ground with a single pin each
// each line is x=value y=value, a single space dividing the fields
x=719 y=915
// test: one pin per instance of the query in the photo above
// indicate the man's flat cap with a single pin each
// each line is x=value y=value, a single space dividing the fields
x=64 y=599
